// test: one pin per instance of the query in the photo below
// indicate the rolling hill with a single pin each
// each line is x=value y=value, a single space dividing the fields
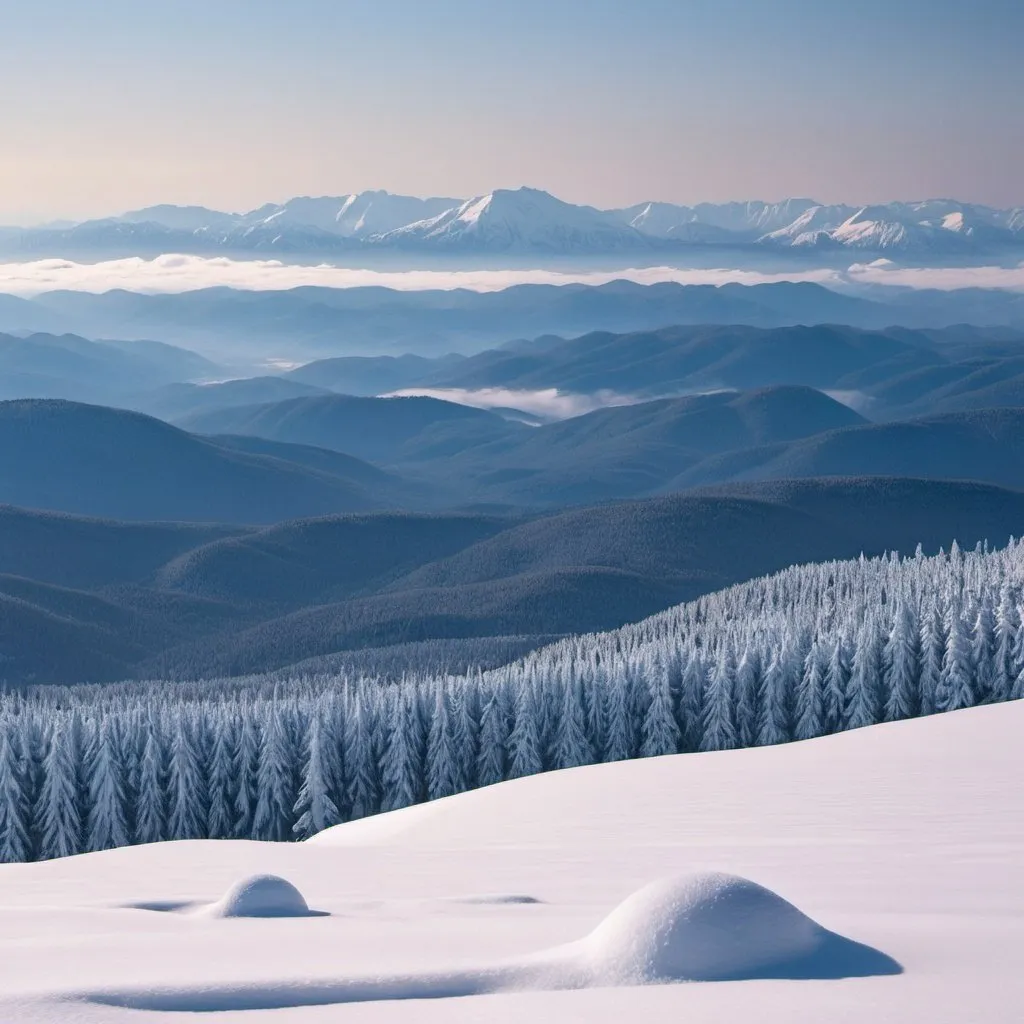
x=129 y=599
x=977 y=445
x=104 y=462
x=389 y=430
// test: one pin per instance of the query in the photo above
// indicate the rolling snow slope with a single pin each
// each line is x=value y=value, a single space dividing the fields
x=907 y=837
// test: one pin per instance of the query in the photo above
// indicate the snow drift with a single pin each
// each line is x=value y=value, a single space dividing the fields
x=704 y=927
x=261 y=896
x=717 y=927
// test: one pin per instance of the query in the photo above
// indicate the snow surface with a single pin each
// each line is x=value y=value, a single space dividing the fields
x=906 y=839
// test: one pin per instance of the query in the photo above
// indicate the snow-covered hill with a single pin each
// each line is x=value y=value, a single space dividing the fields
x=906 y=837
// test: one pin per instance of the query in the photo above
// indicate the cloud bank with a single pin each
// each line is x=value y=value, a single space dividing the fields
x=181 y=273
x=545 y=404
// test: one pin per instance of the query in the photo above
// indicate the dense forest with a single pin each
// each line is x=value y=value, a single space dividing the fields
x=808 y=651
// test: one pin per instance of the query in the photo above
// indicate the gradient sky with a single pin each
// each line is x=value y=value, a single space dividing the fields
x=232 y=103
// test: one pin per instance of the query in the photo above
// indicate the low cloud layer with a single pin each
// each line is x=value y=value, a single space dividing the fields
x=546 y=404
x=180 y=273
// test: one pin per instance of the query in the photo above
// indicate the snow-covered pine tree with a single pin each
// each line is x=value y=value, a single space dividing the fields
x=492 y=760
x=810 y=702
x=524 y=742
x=900 y=660
x=15 y=811
x=314 y=810
x=837 y=675
x=151 y=799
x=691 y=700
x=774 y=722
x=186 y=813
x=362 y=790
x=223 y=784
x=400 y=784
x=660 y=731
x=1007 y=628
x=107 y=825
x=571 y=746
x=955 y=691
x=719 y=705
x=748 y=685
x=983 y=648
x=932 y=651
x=245 y=761
x=59 y=816
x=864 y=701
x=275 y=792
x=442 y=766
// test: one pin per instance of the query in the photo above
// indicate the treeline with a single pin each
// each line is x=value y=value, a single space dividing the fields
x=812 y=650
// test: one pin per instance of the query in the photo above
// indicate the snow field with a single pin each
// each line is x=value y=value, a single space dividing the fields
x=907 y=837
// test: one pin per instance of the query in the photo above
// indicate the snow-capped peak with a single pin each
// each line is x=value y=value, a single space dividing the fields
x=520 y=219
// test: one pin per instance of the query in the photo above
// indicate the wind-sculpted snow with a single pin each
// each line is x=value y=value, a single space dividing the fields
x=706 y=927
x=809 y=651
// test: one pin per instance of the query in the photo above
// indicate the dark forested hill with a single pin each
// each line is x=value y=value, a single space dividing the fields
x=83 y=598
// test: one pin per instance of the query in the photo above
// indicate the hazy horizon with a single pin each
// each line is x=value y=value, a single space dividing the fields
x=236 y=104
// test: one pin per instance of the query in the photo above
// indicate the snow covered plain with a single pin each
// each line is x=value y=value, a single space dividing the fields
x=906 y=837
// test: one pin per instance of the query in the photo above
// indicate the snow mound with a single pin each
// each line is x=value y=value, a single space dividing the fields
x=716 y=927
x=261 y=896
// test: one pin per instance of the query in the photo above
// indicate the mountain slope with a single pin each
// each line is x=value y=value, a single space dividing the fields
x=105 y=462
x=978 y=445
x=684 y=358
x=631 y=450
x=177 y=400
x=68 y=366
x=379 y=429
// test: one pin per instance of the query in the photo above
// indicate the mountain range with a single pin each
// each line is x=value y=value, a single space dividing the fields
x=257 y=331
x=541 y=488
x=531 y=221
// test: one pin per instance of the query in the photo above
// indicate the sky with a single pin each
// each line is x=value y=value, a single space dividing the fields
x=233 y=103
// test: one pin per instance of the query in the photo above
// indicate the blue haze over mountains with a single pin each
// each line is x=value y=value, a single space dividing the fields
x=225 y=481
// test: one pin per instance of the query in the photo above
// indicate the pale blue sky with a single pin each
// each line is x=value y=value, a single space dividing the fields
x=232 y=103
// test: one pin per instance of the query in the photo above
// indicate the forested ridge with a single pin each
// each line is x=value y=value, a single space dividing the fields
x=808 y=651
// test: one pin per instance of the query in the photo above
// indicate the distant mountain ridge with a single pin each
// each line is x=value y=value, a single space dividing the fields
x=530 y=220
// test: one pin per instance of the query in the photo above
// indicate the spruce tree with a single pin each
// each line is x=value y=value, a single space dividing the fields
x=955 y=690
x=810 y=702
x=107 y=825
x=900 y=667
x=15 y=823
x=571 y=743
x=151 y=800
x=186 y=815
x=275 y=791
x=442 y=767
x=660 y=732
x=314 y=810
x=719 y=725
x=524 y=742
x=864 y=700
x=493 y=757
x=59 y=813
